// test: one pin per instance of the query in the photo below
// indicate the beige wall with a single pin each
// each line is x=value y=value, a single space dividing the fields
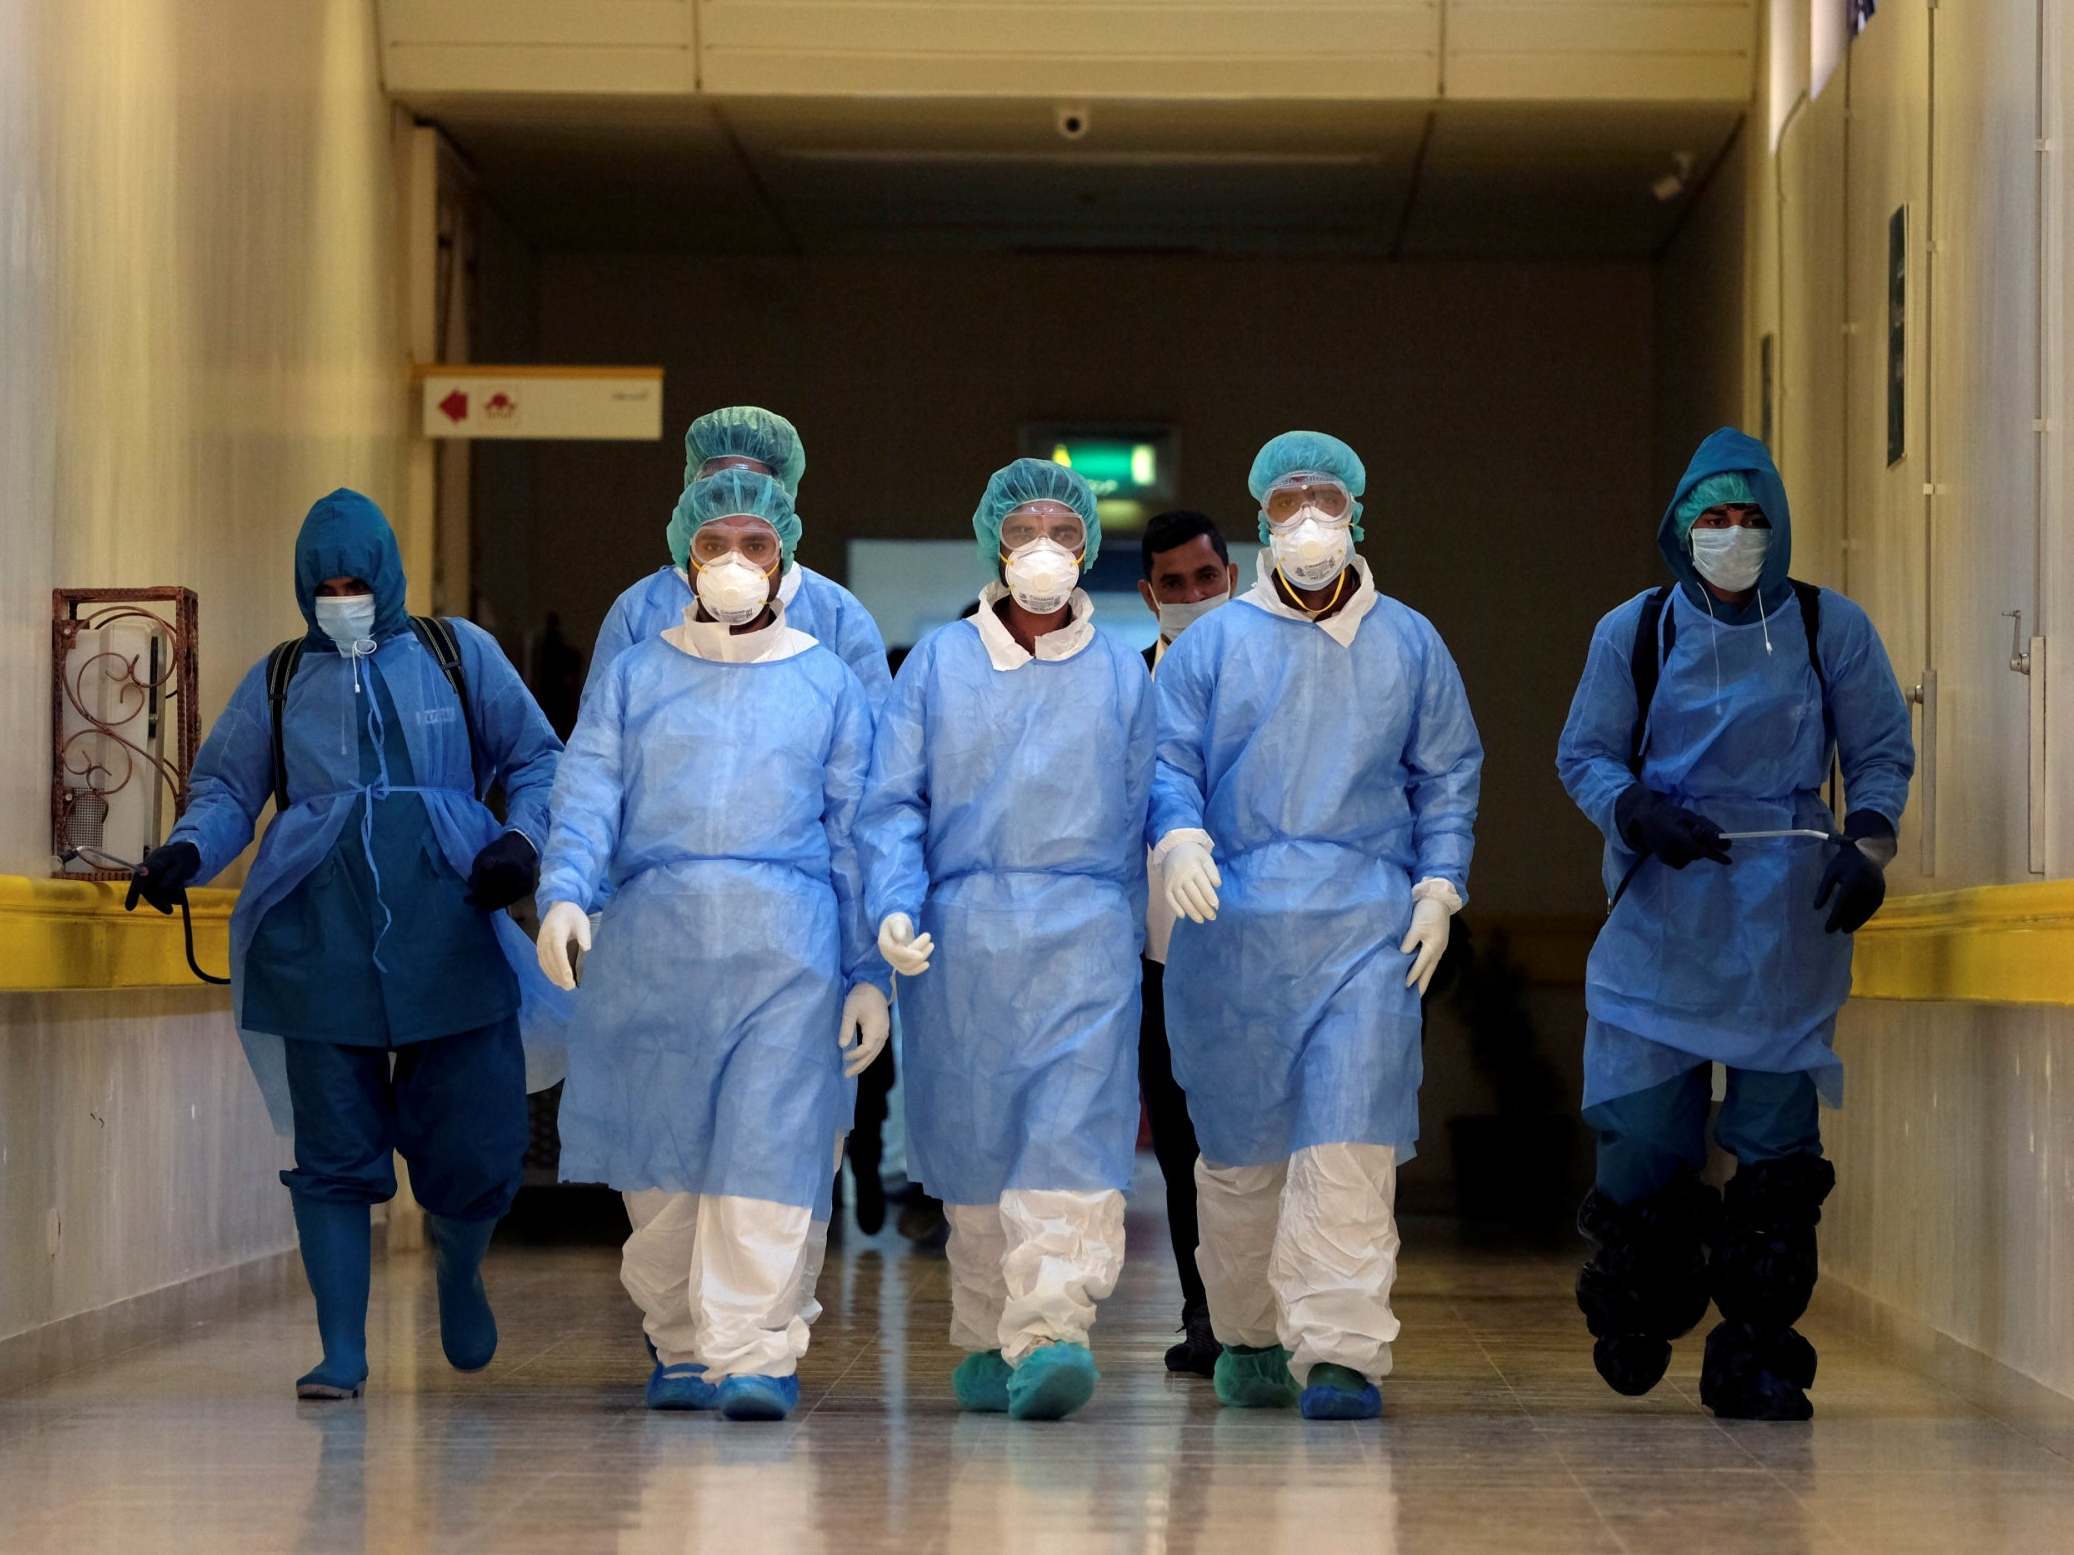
x=1955 y=1206
x=1503 y=412
x=200 y=324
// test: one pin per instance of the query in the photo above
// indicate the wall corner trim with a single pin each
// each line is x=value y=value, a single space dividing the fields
x=65 y=935
x=2003 y=944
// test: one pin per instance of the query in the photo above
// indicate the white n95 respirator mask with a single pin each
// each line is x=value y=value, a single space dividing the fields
x=1311 y=553
x=733 y=591
x=1041 y=576
x=1731 y=559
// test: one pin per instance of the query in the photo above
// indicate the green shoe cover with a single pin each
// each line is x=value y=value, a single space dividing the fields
x=981 y=1383
x=1249 y=1377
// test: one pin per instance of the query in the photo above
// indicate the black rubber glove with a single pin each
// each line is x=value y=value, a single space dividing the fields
x=1650 y=823
x=163 y=876
x=505 y=871
x=1854 y=880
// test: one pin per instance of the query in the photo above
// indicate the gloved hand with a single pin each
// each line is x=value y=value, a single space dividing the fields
x=1192 y=880
x=906 y=952
x=565 y=921
x=163 y=875
x=867 y=1023
x=504 y=872
x=1853 y=877
x=1650 y=823
x=1430 y=922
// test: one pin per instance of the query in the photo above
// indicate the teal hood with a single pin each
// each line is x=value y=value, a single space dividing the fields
x=1729 y=452
x=346 y=536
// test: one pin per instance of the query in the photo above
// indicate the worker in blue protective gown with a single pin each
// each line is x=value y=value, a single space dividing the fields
x=370 y=936
x=1718 y=705
x=1312 y=816
x=1003 y=835
x=713 y=779
x=746 y=437
x=751 y=438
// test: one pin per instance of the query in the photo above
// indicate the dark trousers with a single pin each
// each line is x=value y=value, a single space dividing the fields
x=867 y=1133
x=1173 y=1136
x=1648 y=1138
x=455 y=1107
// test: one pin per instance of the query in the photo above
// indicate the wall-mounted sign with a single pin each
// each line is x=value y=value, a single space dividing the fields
x=619 y=404
x=1131 y=468
x=1897 y=335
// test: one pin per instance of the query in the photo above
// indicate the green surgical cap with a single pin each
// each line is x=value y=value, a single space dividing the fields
x=1034 y=480
x=1731 y=486
x=726 y=495
x=1317 y=453
x=746 y=432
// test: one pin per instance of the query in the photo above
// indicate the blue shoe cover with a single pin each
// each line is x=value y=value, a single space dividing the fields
x=759 y=1398
x=1339 y=1393
x=1250 y=1378
x=467 y=1330
x=336 y=1255
x=981 y=1383
x=1051 y=1382
x=683 y=1386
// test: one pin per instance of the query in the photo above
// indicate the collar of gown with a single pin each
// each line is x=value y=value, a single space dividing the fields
x=710 y=640
x=1008 y=654
x=788 y=584
x=1341 y=626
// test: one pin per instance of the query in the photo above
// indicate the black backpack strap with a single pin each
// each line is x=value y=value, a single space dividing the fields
x=281 y=665
x=444 y=644
x=1646 y=669
x=1810 y=598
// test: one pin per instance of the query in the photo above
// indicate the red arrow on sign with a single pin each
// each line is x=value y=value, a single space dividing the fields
x=455 y=405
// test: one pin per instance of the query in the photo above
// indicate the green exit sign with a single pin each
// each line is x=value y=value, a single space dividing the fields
x=1130 y=468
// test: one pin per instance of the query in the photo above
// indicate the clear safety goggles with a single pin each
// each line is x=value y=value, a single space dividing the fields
x=1294 y=497
x=1733 y=515
x=719 y=462
x=1035 y=521
x=757 y=544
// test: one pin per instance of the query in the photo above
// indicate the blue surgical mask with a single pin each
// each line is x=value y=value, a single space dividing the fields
x=347 y=619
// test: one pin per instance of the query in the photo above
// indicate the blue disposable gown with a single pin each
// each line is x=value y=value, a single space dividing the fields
x=1332 y=780
x=331 y=717
x=1730 y=963
x=823 y=609
x=1006 y=817
x=718 y=801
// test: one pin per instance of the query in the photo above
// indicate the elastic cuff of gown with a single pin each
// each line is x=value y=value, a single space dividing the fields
x=1179 y=835
x=1434 y=889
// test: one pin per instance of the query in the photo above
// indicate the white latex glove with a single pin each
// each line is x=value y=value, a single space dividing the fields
x=1192 y=882
x=1430 y=922
x=906 y=952
x=565 y=921
x=867 y=1023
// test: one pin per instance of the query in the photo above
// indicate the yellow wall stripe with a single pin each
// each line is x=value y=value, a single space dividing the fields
x=2011 y=944
x=73 y=934
x=2003 y=944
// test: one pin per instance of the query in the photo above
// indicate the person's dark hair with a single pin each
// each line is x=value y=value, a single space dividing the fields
x=1168 y=530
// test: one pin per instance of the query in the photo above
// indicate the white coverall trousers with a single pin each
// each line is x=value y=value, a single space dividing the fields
x=726 y=1282
x=1303 y=1253
x=1027 y=1271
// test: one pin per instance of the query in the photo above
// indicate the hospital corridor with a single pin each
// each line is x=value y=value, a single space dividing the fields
x=1036 y=775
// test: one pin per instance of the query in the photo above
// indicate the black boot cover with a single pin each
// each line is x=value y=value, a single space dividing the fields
x=1646 y=1281
x=1757 y=1367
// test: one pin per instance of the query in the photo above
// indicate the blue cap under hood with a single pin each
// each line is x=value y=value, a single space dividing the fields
x=1731 y=452
x=346 y=536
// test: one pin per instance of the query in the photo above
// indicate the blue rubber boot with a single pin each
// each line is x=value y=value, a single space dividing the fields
x=1254 y=1377
x=981 y=1383
x=1339 y=1393
x=683 y=1386
x=337 y=1260
x=758 y=1398
x=467 y=1329
x=1051 y=1382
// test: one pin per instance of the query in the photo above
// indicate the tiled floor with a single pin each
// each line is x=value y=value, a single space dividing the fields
x=1498 y=1437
